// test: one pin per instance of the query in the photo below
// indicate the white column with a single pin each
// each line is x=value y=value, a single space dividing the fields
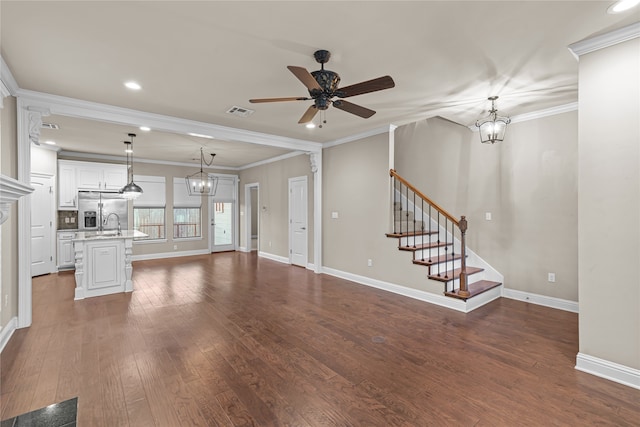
x=316 y=167
x=28 y=127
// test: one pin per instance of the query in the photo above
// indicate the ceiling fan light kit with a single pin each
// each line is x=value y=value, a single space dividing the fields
x=323 y=86
x=493 y=127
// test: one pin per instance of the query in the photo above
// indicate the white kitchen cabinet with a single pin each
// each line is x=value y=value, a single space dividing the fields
x=114 y=177
x=74 y=175
x=100 y=176
x=66 y=256
x=67 y=189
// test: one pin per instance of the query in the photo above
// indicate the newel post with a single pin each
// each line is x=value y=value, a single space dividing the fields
x=463 y=291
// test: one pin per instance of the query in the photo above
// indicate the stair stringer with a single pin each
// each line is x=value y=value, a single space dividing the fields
x=473 y=259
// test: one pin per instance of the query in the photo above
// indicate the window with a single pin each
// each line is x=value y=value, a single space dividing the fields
x=149 y=209
x=187 y=212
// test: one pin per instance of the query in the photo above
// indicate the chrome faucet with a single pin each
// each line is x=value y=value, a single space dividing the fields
x=106 y=219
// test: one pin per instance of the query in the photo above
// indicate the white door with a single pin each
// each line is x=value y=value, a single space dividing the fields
x=298 y=221
x=42 y=241
x=223 y=215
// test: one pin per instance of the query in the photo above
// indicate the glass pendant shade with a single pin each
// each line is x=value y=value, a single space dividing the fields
x=131 y=190
x=200 y=183
x=492 y=128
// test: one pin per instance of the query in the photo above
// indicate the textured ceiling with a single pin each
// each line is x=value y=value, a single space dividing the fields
x=195 y=60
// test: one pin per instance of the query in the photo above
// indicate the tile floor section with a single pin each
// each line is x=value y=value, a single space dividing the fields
x=63 y=414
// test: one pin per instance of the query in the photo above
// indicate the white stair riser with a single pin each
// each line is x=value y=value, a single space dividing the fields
x=455 y=284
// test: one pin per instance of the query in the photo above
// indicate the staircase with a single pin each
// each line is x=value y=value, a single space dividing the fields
x=436 y=241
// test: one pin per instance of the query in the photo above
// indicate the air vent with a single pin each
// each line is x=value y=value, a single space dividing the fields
x=50 y=126
x=239 y=111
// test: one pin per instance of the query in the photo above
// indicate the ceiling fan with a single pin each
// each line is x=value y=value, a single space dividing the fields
x=323 y=86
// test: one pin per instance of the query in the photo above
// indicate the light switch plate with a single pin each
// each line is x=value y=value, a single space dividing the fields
x=334 y=215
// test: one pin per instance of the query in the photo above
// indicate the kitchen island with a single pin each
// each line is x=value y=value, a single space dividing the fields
x=103 y=262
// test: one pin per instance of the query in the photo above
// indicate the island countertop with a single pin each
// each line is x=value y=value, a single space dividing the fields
x=108 y=234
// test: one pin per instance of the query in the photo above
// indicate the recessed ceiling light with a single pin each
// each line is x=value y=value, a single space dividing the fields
x=199 y=135
x=310 y=125
x=133 y=85
x=622 y=6
x=50 y=142
x=145 y=128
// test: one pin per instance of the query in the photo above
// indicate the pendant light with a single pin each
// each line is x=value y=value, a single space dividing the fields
x=492 y=128
x=201 y=183
x=131 y=190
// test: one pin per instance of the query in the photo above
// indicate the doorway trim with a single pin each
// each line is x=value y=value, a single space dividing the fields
x=304 y=179
x=53 y=240
x=248 y=210
x=236 y=210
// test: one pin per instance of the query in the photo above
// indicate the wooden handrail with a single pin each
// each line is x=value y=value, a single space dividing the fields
x=450 y=217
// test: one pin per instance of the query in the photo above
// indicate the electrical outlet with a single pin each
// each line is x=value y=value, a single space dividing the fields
x=73 y=220
x=369 y=263
x=66 y=220
x=334 y=215
x=175 y=247
x=552 y=277
x=487 y=216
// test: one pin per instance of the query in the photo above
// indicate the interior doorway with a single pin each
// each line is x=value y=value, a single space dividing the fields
x=42 y=230
x=298 y=221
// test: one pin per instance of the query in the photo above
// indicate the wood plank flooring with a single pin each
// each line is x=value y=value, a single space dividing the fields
x=234 y=340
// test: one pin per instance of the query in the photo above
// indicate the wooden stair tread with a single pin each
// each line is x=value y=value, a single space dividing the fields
x=432 y=245
x=411 y=233
x=475 y=288
x=454 y=274
x=437 y=259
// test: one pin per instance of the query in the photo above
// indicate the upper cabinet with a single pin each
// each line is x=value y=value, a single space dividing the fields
x=74 y=176
x=67 y=189
x=100 y=176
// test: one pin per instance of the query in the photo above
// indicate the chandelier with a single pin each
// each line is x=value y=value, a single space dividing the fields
x=492 y=128
x=131 y=190
x=201 y=183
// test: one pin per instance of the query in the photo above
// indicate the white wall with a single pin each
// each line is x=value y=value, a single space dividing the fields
x=528 y=183
x=609 y=203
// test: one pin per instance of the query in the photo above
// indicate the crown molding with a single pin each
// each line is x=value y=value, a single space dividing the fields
x=7 y=79
x=534 y=115
x=272 y=160
x=72 y=107
x=605 y=40
x=91 y=156
x=355 y=137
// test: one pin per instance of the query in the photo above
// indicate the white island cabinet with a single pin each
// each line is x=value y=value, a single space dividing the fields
x=103 y=262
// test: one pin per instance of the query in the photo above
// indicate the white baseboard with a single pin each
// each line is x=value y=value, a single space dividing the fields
x=169 y=255
x=273 y=257
x=558 y=303
x=608 y=370
x=441 y=300
x=7 y=331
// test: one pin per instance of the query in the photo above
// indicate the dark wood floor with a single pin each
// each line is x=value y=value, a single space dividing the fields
x=233 y=340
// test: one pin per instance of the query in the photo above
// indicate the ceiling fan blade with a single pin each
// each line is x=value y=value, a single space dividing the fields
x=305 y=77
x=374 y=85
x=292 y=98
x=308 y=115
x=352 y=108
